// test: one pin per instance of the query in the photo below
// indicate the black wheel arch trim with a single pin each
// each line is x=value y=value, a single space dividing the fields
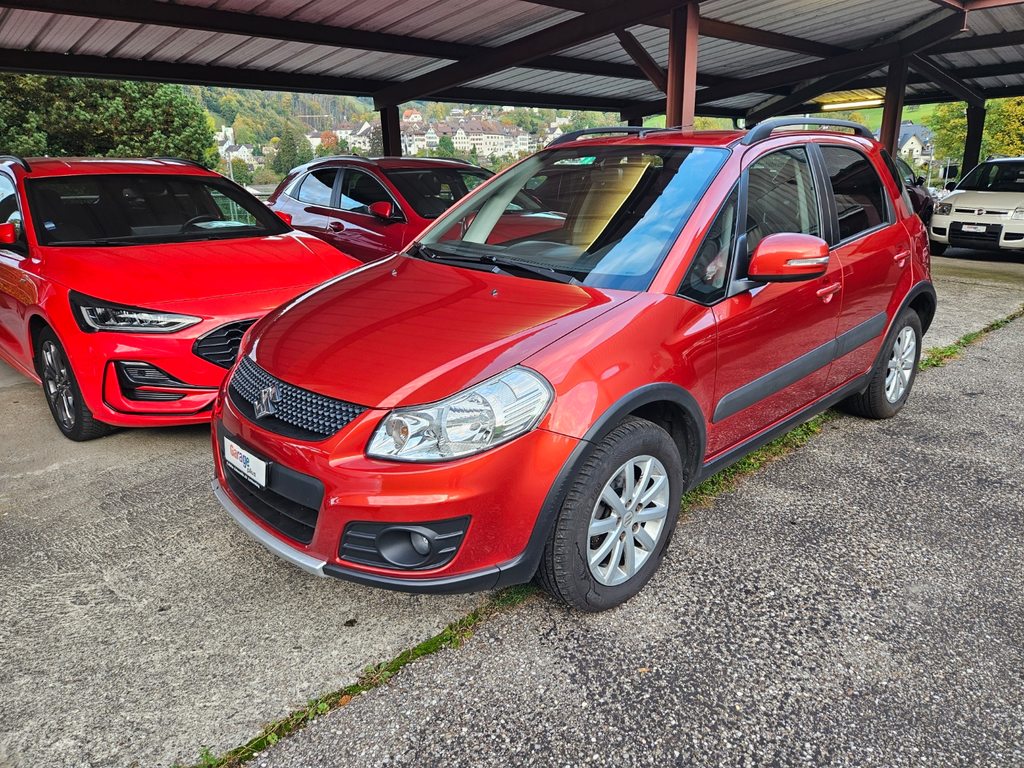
x=923 y=287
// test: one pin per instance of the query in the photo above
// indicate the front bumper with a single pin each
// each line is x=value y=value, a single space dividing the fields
x=95 y=358
x=1000 y=232
x=501 y=491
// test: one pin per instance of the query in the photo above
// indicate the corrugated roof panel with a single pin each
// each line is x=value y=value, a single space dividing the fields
x=561 y=82
x=20 y=28
x=103 y=38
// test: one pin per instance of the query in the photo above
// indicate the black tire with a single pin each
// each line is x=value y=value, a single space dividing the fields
x=72 y=417
x=564 y=571
x=873 y=402
x=937 y=249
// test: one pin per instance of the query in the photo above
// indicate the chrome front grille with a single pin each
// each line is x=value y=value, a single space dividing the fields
x=296 y=413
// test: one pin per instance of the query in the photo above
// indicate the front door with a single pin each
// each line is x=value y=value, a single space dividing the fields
x=775 y=340
x=355 y=230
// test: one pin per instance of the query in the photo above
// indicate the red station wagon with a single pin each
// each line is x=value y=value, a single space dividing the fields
x=126 y=285
x=483 y=409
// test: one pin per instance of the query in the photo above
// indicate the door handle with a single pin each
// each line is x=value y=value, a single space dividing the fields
x=901 y=258
x=336 y=226
x=826 y=293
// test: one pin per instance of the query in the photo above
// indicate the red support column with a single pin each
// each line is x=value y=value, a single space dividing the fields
x=972 y=144
x=892 y=111
x=681 y=97
x=391 y=131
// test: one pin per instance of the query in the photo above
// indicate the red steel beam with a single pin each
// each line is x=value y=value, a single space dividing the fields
x=681 y=93
x=643 y=59
x=892 y=111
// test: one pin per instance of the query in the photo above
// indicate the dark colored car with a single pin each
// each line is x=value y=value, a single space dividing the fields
x=372 y=207
x=490 y=406
x=914 y=183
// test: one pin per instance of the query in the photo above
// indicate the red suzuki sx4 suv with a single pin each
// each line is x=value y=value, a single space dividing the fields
x=126 y=285
x=481 y=409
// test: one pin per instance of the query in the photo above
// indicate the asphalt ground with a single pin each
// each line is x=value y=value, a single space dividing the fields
x=137 y=623
x=859 y=602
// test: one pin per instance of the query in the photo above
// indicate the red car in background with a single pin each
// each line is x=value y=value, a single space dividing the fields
x=484 y=408
x=373 y=207
x=126 y=285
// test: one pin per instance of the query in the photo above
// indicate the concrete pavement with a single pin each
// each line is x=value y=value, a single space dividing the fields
x=137 y=623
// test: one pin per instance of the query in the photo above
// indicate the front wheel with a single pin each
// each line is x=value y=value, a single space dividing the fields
x=63 y=396
x=894 y=376
x=617 y=519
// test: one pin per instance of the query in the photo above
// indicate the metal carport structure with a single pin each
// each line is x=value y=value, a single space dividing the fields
x=730 y=58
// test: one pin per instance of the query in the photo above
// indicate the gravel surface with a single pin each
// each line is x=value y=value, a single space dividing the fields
x=138 y=623
x=856 y=603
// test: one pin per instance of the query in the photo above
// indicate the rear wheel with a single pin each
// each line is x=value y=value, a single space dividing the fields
x=617 y=519
x=72 y=416
x=894 y=376
x=937 y=249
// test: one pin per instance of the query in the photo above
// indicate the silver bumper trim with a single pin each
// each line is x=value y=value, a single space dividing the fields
x=271 y=542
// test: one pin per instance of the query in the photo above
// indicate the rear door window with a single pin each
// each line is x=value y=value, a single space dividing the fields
x=859 y=194
x=317 y=187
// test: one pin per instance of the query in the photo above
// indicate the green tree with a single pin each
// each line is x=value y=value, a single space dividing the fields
x=445 y=147
x=78 y=116
x=240 y=172
x=292 y=150
x=376 y=142
x=1003 y=134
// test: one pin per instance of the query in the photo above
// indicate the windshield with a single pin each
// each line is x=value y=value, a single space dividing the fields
x=602 y=216
x=995 y=177
x=121 y=209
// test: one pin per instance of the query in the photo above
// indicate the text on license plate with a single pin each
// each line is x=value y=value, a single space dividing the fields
x=248 y=465
x=975 y=228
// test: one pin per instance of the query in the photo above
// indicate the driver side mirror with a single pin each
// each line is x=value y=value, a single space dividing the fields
x=919 y=181
x=8 y=233
x=788 y=257
x=383 y=210
x=951 y=186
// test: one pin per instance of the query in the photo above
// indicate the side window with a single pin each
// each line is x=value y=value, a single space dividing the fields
x=860 y=196
x=9 y=210
x=359 y=190
x=781 y=196
x=316 y=187
x=705 y=281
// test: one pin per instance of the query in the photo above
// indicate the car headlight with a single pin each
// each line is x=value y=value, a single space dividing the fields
x=481 y=417
x=98 y=315
x=943 y=209
x=1018 y=212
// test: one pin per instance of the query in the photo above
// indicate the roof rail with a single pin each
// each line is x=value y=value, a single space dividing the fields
x=16 y=160
x=762 y=131
x=630 y=130
x=182 y=160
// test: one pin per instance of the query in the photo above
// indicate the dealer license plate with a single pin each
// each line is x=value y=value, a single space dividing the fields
x=251 y=468
x=975 y=228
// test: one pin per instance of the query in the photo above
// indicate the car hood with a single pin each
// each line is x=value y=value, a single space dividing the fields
x=257 y=272
x=402 y=331
x=999 y=201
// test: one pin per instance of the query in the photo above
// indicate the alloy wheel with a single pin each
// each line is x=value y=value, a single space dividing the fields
x=628 y=520
x=57 y=382
x=901 y=364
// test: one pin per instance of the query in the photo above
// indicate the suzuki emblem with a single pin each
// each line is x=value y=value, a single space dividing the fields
x=269 y=399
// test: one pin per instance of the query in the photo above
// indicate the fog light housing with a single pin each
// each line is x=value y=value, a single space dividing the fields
x=405 y=546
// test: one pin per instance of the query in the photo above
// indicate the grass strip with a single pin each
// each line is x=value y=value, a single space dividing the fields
x=459 y=631
x=373 y=676
x=939 y=356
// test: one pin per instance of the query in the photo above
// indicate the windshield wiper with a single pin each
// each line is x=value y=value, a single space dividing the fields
x=500 y=264
x=99 y=241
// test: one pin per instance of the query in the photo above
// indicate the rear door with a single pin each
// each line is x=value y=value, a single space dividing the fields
x=311 y=201
x=875 y=253
x=354 y=229
x=775 y=339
